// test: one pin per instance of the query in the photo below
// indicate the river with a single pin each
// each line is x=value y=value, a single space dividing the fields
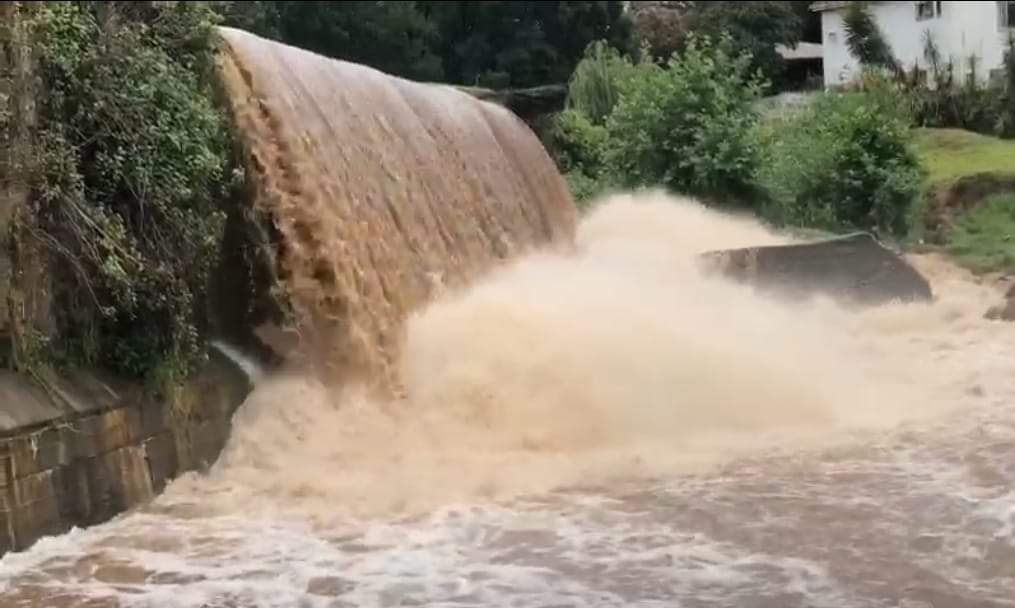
x=602 y=428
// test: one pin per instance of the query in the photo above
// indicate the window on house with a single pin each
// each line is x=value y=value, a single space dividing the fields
x=926 y=10
x=1007 y=10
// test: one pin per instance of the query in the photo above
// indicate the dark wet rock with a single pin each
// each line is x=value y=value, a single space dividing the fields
x=1005 y=311
x=329 y=586
x=855 y=268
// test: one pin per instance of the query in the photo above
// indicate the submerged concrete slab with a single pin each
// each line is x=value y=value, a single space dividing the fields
x=855 y=268
x=24 y=403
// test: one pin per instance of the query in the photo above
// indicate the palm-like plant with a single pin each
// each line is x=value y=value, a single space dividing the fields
x=865 y=40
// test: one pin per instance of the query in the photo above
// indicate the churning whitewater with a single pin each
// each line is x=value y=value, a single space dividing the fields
x=607 y=426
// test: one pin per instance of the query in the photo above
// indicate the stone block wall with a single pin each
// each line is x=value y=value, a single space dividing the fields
x=106 y=456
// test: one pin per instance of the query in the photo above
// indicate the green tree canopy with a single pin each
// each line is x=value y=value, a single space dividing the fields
x=754 y=27
x=394 y=37
x=522 y=43
x=495 y=43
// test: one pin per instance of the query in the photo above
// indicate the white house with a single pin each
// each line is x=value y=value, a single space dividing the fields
x=960 y=29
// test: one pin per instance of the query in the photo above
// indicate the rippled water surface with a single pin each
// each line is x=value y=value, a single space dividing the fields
x=921 y=519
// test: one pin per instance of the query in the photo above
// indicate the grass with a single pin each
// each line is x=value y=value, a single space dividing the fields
x=984 y=238
x=953 y=153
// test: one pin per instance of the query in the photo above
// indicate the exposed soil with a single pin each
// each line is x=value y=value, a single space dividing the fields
x=948 y=201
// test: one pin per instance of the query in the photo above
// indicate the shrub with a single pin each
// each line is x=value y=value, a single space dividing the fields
x=686 y=125
x=845 y=162
x=579 y=137
x=581 y=148
x=594 y=88
x=135 y=158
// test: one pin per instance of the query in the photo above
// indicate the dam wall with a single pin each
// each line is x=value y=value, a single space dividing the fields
x=86 y=448
x=367 y=197
x=383 y=192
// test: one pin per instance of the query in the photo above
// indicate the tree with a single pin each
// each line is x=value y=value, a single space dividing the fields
x=521 y=44
x=494 y=44
x=810 y=20
x=662 y=25
x=688 y=125
x=395 y=37
x=755 y=28
x=865 y=41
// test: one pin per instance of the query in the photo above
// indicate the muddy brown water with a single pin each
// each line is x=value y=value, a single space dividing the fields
x=602 y=428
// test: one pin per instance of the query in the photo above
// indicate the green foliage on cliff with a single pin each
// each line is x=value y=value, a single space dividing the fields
x=135 y=161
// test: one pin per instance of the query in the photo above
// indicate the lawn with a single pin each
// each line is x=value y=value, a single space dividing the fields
x=953 y=153
x=984 y=238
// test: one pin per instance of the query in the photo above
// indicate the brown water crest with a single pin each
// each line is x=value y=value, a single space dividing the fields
x=384 y=190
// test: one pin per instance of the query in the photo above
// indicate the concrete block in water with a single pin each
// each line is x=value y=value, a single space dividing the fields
x=854 y=268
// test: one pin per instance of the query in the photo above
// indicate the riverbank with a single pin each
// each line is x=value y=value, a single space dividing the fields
x=87 y=448
x=970 y=209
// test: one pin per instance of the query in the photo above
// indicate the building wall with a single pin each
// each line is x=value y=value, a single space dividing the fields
x=962 y=30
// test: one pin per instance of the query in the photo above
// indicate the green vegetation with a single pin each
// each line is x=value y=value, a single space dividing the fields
x=866 y=41
x=691 y=125
x=941 y=92
x=492 y=44
x=845 y=162
x=687 y=125
x=984 y=238
x=134 y=162
x=754 y=27
x=684 y=125
x=953 y=153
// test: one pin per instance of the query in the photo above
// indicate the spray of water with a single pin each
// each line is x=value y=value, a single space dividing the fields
x=617 y=360
x=599 y=368
x=253 y=370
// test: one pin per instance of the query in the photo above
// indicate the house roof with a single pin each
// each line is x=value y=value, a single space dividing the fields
x=803 y=50
x=818 y=7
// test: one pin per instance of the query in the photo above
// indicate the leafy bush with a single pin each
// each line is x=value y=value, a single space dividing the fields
x=581 y=148
x=595 y=86
x=135 y=158
x=684 y=125
x=687 y=125
x=579 y=136
x=845 y=162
